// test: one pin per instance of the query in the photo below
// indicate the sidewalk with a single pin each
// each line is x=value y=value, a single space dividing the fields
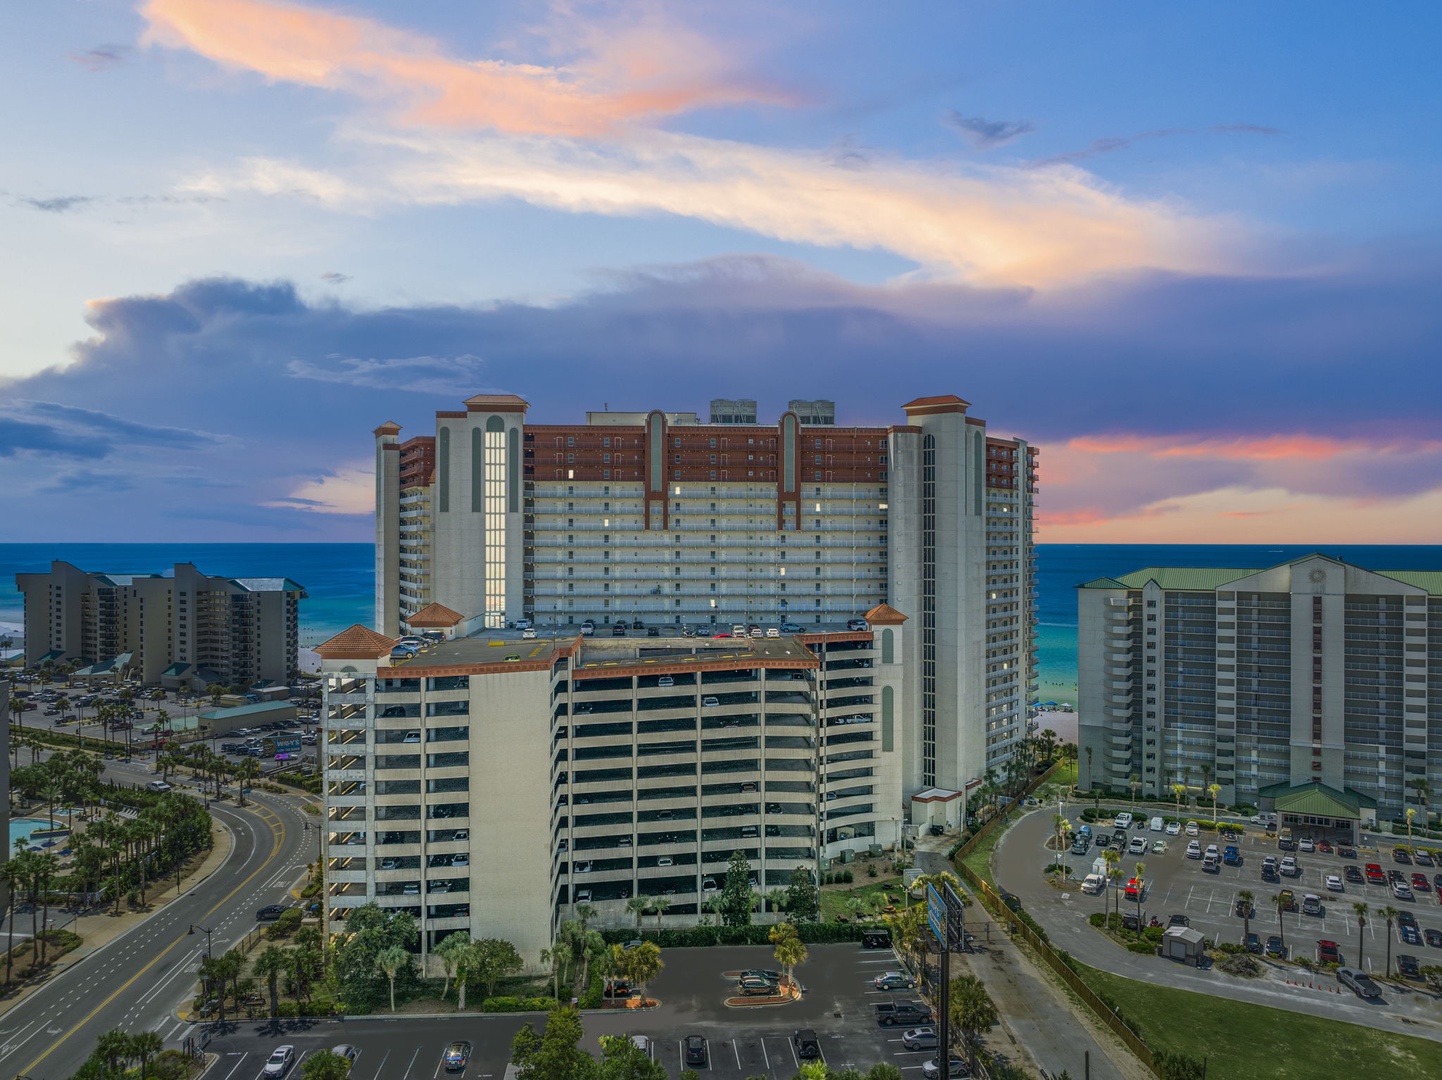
x=1039 y=1024
x=100 y=929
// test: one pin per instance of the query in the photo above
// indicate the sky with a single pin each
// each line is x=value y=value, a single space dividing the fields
x=1191 y=251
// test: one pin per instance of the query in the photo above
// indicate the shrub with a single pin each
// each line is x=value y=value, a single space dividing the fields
x=847 y=877
x=1231 y=948
x=594 y=995
x=870 y=869
x=305 y=1008
x=1144 y=948
x=287 y=924
x=1154 y=934
x=1097 y=919
x=517 y=1004
x=1241 y=964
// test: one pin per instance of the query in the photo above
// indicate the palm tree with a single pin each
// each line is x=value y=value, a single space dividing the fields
x=1135 y=784
x=1411 y=813
x=1390 y=914
x=270 y=965
x=1246 y=896
x=145 y=1045
x=11 y=878
x=1113 y=858
x=1360 y=910
x=1423 y=789
x=43 y=877
x=637 y=905
x=1141 y=883
x=113 y=1047
x=216 y=692
x=1214 y=790
x=390 y=961
x=1114 y=877
x=448 y=953
x=1279 y=902
x=660 y=903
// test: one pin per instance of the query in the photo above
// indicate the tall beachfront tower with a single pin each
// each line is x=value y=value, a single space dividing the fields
x=674 y=519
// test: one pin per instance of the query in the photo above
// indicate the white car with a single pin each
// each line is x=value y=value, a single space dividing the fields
x=1159 y=847
x=1334 y=883
x=1193 y=829
x=1173 y=828
x=279 y=1062
x=1289 y=866
x=1306 y=844
x=1402 y=891
x=1194 y=849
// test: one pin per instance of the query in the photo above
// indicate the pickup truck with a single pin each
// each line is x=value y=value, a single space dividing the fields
x=910 y=1013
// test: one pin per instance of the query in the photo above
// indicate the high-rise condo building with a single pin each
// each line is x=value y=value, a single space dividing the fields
x=184 y=628
x=673 y=520
x=1313 y=687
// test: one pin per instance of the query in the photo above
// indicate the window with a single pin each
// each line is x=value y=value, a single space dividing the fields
x=570 y=441
x=606 y=441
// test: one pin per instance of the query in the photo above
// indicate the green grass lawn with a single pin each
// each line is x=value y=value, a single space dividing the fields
x=833 y=900
x=1243 y=1041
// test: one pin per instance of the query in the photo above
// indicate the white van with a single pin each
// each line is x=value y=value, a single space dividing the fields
x=1156 y=824
x=1124 y=820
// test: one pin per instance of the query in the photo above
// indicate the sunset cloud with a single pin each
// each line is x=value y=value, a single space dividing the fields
x=582 y=139
x=645 y=70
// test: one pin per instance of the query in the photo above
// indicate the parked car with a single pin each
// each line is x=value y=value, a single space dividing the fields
x=1375 y=875
x=1353 y=875
x=695 y=1050
x=1408 y=967
x=893 y=980
x=1276 y=948
x=1400 y=855
x=456 y=1055
x=806 y=1043
x=1173 y=828
x=1420 y=883
x=1328 y=952
x=1433 y=937
x=921 y=1038
x=1334 y=883
x=955 y=1067
x=749 y=987
x=279 y=1062
x=1179 y=920
x=1253 y=943
x=1312 y=905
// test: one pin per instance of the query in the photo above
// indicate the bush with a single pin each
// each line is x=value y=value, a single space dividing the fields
x=1154 y=934
x=870 y=869
x=1097 y=919
x=846 y=877
x=595 y=992
x=518 y=1004
x=1143 y=948
x=287 y=924
x=692 y=937
x=305 y=1008
x=1241 y=964
x=1231 y=948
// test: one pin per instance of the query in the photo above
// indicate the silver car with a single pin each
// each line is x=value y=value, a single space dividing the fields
x=921 y=1038
x=279 y=1062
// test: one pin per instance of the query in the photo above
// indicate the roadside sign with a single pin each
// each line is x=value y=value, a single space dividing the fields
x=936 y=914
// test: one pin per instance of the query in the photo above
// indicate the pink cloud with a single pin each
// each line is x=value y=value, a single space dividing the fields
x=644 y=71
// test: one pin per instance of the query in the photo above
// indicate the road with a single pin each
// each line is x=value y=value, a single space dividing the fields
x=139 y=980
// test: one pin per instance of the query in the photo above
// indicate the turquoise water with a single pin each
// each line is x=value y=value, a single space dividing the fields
x=21 y=828
x=339 y=578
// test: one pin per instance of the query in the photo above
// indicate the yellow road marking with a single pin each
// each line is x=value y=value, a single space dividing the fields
x=278 y=831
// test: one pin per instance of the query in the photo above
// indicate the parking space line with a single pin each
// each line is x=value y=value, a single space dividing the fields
x=405 y=1075
x=736 y=1050
x=764 y=1056
x=238 y=1064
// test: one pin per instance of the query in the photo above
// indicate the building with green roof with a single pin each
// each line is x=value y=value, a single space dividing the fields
x=1273 y=683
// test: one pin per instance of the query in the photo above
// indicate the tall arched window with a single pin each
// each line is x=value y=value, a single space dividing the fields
x=888 y=647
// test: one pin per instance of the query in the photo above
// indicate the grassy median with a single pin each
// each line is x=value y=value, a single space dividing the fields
x=1242 y=1041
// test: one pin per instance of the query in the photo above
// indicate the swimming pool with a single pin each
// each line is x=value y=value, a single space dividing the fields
x=21 y=828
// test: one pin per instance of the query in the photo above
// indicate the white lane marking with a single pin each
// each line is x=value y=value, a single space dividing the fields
x=737 y=1052
x=238 y=1064
x=407 y=1073
x=178 y=969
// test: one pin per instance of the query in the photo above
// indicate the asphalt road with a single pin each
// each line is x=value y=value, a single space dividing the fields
x=1178 y=885
x=139 y=980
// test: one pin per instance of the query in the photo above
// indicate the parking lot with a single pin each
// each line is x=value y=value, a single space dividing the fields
x=741 y=1042
x=1178 y=885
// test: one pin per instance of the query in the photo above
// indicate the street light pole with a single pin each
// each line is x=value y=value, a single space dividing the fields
x=207 y=933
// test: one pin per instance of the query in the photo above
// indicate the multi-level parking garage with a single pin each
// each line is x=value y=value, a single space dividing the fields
x=490 y=784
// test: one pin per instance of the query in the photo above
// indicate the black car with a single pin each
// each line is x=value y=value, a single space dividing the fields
x=653 y=631
x=1354 y=875
x=1179 y=920
x=762 y=973
x=807 y=1047
x=695 y=1048
x=1434 y=937
x=270 y=913
x=1346 y=851
x=1408 y=967
x=1253 y=943
x=1406 y=918
x=1398 y=855
x=619 y=630
x=1276 y=948
x=1103 y=839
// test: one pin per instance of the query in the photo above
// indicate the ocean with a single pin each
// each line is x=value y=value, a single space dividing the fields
x=339 y=578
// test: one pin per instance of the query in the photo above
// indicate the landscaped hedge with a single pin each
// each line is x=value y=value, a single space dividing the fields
x=518 y=1004
x=305 y=1008
x=695 y=937
x=595 y=995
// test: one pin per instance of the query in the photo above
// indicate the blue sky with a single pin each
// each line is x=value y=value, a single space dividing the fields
x=1190 y=250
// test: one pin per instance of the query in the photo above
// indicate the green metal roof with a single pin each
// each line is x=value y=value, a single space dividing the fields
x=1318 y=800
x=1431 y=580
x=1173 y=578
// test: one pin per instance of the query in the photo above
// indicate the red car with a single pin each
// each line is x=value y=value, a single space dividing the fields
x=1375 y=875
x=1420 y=883
x=1328 y=952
